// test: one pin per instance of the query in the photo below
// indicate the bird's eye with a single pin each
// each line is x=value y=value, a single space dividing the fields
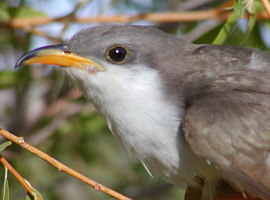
x=117 y=54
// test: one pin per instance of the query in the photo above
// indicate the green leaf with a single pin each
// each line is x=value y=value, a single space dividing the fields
x=254 y=7
x=5 y=145
x=34 y=195
x=238 y=8
x=4 y=14
x=251 y=25
x=226 y=29
x=255 y=40
x=208 y=37
x=30 y=197
x=5 y=187
x=25 y=12
x=8 y=79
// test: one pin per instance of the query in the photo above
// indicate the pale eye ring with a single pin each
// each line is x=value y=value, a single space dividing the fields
x=117 y=54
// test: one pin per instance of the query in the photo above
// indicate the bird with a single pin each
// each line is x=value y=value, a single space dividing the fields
x=198 y=114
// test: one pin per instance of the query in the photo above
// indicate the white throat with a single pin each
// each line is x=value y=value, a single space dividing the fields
x=137 y=112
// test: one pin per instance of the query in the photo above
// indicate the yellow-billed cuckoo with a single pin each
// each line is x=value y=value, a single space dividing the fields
x=192 y=112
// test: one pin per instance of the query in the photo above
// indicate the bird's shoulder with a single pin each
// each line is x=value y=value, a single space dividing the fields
x=223 y=52
x=228 y=57
x=214 y=68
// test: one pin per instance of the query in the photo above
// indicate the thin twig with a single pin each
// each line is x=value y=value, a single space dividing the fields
x=17 y=175
x=215 y=13
x=219 y=13
x=152 y=17
x=43 y=34
x=70 y=16
x=266 y=6
x=62 y=103
x=61 y=167
x=57 y=122
x=73 y=12
x=57 y=111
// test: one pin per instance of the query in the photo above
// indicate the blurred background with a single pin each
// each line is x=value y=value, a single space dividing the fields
x=39 y=104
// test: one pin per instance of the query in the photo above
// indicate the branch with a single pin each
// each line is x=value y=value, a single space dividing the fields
x=220 y=13
x=35 y=31
x=266 y=6
x=61 y=167
x=17 y=176
x=152 y=17
x=215 y=13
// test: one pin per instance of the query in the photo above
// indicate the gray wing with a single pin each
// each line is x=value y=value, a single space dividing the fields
x=232 y=131
x=227 y=122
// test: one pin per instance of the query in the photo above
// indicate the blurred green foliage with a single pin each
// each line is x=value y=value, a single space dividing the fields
x=7 y=12
x=36 y=103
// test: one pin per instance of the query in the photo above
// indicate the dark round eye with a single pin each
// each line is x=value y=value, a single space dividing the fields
x=117 y=54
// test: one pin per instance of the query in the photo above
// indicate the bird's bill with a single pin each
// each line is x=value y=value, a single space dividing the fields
x=56 y=55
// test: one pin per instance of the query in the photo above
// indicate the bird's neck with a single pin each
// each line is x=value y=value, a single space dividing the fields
x=143 y=119
x=137 y=111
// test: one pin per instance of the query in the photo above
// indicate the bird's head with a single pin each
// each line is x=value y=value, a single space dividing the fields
x=108 y=58
x=100 y=49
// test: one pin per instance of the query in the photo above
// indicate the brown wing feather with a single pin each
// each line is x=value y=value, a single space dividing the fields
x=232 y=131
x=227 y=121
